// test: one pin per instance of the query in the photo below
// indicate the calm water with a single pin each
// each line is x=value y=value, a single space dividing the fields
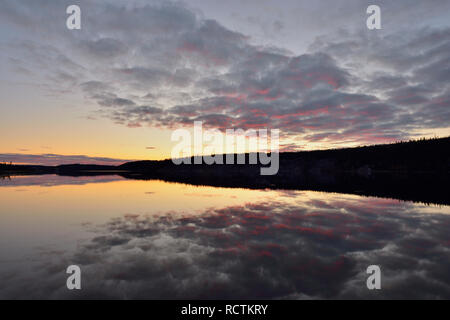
x=152 y=239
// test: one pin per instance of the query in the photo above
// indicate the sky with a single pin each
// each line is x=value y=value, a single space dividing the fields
x=138 y=70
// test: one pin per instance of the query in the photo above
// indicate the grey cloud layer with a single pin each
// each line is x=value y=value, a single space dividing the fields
x=164 y=65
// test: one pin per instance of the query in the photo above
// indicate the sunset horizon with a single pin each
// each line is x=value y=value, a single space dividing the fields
x=52 y=159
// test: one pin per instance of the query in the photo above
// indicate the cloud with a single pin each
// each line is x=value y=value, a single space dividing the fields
x=351 y=86
x=57 y=159
x=103 y=48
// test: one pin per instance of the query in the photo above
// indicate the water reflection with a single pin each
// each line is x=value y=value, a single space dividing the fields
x=54 y=180
x=286 y=244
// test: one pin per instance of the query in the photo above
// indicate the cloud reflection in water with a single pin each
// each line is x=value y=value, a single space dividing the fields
x=288 y=247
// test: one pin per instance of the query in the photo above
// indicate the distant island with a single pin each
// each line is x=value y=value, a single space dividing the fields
x=415 y=170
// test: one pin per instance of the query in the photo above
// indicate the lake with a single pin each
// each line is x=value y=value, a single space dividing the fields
x=159 y=240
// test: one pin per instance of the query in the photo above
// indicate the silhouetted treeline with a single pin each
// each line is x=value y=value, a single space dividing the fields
x=413 y=170
x=426 y=155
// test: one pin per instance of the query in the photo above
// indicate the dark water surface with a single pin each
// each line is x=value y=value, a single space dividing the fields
x=153 y=239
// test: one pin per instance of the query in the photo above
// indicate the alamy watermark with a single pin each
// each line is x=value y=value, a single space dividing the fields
x=212 y=146
x=374 y=20
x=74 y=280
x=73 y=21
x=374 y=280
